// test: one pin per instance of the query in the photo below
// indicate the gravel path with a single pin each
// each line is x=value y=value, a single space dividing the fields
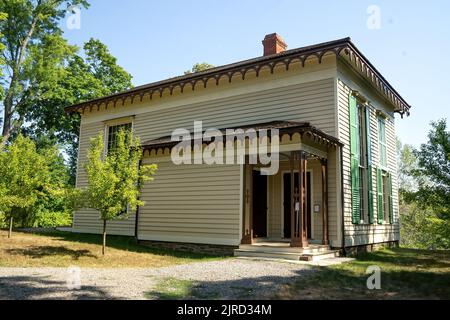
x=225 y=279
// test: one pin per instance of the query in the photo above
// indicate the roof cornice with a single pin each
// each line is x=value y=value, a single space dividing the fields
x=342 y=48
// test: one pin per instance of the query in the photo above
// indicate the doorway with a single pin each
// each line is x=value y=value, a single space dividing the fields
x=259 y=205
x=287 y=203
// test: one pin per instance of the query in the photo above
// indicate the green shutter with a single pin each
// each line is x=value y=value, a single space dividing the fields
x=369 y=166
x=380 y=196
x=354 y=158
x=391 y=202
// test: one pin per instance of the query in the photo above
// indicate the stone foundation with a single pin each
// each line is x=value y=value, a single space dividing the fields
x=355 y=250
x=212 y=249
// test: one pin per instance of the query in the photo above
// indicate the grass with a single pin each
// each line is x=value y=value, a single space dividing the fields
x=405 y=274
x=64 y=249
x=171 y=289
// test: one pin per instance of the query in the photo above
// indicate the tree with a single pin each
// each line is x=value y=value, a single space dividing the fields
x=115 y=179
x=426 y=205
x=24 y=175
x=199 y=67
x=34 y=54
x=94 y=75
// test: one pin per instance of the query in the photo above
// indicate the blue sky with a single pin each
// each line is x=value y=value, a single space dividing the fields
x=154 y=40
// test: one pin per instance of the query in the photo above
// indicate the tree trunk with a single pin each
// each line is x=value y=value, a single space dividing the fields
x=104 y=237
x=10 y=227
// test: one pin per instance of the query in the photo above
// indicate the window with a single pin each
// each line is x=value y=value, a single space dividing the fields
x=384 y=198
x=382 y=142
x=113 y=130
x=363 y=161
x=386 y=206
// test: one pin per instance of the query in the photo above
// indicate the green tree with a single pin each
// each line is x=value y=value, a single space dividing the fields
x=115 y=179
x=425 y=203
x=199 y=67
x=24 y=175
x=34 y=54
x=89 y=75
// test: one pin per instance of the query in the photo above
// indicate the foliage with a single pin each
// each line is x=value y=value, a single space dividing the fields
x=33 y=185
x=425 y=191
x=34 y=54
x=199 y=67
x=43 y=73
x=24 y=175
x=93 y=76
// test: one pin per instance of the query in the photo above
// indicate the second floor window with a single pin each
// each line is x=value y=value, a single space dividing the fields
x=363 y=184
x=112 y=132
x=382 y=142
x=361 y=162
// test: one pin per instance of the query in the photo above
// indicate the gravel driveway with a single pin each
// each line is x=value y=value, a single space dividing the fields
x=224 y=279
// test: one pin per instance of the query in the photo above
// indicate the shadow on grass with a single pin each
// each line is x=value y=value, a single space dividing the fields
x=39 y=288
x=37 y=252
x=408 y=258
x=405 y=274
x=122 y=243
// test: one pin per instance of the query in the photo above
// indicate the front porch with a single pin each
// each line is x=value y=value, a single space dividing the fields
x=287 y=214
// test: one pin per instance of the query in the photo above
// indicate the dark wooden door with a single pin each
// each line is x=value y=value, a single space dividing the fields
x=287 y=202
x=259 y=205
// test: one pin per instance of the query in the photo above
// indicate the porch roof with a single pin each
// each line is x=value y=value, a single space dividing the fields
x=284 y=127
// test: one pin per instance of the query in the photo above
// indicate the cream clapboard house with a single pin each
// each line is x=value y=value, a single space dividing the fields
x=336 y=186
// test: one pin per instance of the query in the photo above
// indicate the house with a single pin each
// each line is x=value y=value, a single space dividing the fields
x=332 y=115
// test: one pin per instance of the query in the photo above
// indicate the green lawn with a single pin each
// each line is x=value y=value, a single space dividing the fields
x=63 y=249
x=405 y=274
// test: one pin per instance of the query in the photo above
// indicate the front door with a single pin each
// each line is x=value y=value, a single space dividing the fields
x=259 y=205
x=287 y=202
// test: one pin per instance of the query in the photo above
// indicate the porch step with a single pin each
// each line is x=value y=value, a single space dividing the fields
x=284 y=247
x=286 y=253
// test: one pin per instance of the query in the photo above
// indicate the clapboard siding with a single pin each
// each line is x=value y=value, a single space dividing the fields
x=191 y=203
x=305 y=102
x=367 y=233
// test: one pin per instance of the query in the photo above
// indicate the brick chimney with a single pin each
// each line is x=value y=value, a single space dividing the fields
x=273 y=43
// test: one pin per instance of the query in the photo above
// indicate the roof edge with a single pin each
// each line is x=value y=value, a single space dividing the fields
x=256 y=64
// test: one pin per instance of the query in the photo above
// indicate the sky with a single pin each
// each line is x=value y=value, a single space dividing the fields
x=407 y=41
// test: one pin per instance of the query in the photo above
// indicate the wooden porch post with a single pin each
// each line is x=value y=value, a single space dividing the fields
x=298 y=217
x=304 y=234
x=294 y=192
x=247 y=221
x=324 y=166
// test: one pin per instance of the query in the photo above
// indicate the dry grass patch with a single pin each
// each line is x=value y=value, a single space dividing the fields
x=64 y=249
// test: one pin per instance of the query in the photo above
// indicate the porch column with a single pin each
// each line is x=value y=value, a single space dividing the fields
x=247 y=219
x=324 y=166
x=298 y=201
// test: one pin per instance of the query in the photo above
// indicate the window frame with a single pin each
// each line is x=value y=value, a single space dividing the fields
x=382 y=144
x=363 y=162
x=114 y=123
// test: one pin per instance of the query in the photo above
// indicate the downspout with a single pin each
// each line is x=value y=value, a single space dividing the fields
x=136 y=218
x=342 y=201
